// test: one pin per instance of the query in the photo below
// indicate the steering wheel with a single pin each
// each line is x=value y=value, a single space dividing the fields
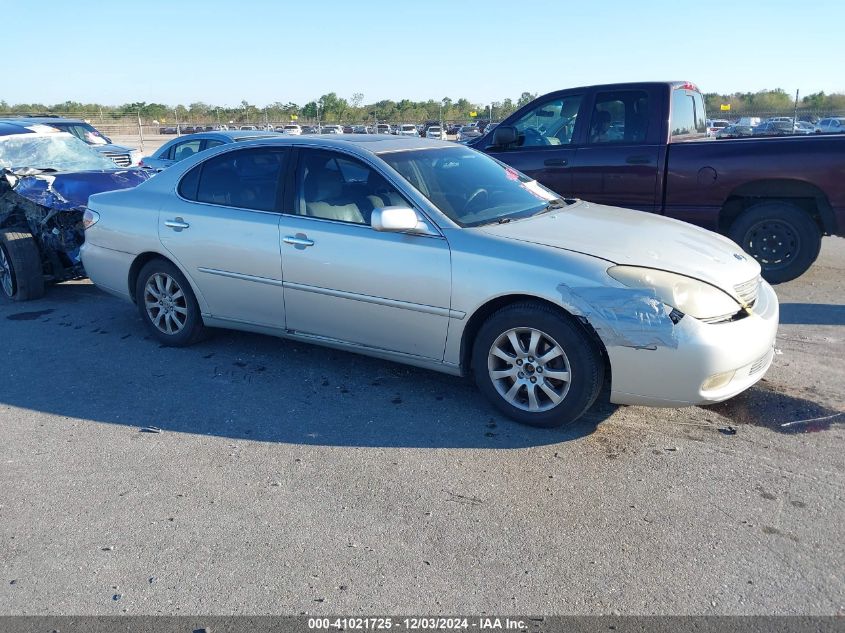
x=475 y=196
x=534 y=137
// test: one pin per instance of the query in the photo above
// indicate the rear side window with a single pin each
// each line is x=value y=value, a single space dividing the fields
x=620 y=117
x=247 y=179
x=688 y=120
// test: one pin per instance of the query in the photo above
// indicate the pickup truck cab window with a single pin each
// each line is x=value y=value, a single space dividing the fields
x=550 y=123
x=620 y=117
x=687 y=119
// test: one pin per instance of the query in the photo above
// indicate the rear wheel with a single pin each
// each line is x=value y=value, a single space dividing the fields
x=536 y=365
x=781 y=236
x=21 y=273
x=167 y=304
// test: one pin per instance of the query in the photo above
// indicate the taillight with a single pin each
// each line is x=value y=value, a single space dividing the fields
x=89 y=219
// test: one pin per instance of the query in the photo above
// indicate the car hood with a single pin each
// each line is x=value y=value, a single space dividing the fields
x=636 y=238
x=64 y=191
x=111 y=148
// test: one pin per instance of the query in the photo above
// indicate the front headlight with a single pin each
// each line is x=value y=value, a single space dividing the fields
x=690 y=296
x=135 y=156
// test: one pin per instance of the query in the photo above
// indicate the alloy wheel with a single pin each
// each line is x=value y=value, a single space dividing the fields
x=529 y=369
x=165 y=303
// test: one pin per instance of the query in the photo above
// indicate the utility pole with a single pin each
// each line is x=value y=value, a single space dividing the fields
x=795 y=112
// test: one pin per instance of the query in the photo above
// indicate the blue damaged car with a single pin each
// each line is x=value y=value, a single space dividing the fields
x=46 y=177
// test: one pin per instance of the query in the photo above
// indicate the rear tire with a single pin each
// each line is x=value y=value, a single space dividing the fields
x=167 y=304
x=554 y=376
x=21 y=273
x=781 y=236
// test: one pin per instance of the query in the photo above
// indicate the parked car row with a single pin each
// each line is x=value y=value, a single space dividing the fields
x=775 y=126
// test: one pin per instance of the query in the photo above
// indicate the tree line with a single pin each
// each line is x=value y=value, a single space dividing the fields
x=332 y=108
x=329 y=108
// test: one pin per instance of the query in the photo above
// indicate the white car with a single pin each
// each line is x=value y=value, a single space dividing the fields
x=408 y=130
x=435 y=131
x=332 y=129
x=715 y=125
x=433 y=254
x=831 y=125
x=292 y=128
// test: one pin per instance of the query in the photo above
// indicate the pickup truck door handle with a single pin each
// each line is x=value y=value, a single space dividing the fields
x=177 y=225
x=638 y=160
x=298 y=241
x=555 y=162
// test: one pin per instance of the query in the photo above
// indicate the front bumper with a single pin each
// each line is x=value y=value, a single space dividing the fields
x=673 y=377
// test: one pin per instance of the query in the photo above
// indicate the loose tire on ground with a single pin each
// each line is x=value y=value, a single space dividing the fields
x=167 y=304
x=21 y=272
x=504 y=375
x=781 y=236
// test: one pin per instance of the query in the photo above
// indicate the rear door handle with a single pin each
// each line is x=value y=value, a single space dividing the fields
x=297 y=241
x=638 y=160
x=177 y=225
x=555 y=162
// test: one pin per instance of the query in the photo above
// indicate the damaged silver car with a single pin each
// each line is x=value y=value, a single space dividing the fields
x=433 y=254
x=45 y=182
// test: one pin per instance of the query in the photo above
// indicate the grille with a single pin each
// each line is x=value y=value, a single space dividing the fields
x=760 y=363
x=747 y=291
x=121 y=160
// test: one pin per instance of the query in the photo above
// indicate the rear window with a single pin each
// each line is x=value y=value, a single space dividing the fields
x=687 y=122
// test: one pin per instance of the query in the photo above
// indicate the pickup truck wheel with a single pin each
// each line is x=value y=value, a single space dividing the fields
x=536 y=365
x=167 y=304
x=781 y=236
x=21 y=274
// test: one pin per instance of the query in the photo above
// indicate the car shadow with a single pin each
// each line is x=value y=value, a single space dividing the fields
x=81 y=354
x=812 y=314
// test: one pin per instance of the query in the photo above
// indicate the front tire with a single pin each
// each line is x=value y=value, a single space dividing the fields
x=21 y=273
x=781 y=236
x=537 y=365
x=167 y=304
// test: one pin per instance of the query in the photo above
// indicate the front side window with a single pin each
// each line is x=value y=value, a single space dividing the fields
x=333 y=186
x=620 y=117
x=472 y=188
x=248 y=179
x=550 y=123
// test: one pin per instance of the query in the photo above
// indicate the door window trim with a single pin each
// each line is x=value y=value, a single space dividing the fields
x=292 y=193
x=280 y=195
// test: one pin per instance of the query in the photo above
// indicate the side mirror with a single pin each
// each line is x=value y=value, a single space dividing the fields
x=504 y=135
x=394 y=219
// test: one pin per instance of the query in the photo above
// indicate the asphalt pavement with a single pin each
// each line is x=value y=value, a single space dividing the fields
x=252 y=475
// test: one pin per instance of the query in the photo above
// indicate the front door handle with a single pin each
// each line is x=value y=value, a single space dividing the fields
x=298 y=240
x=556 y=162
x=638 y=160
x=177 y=225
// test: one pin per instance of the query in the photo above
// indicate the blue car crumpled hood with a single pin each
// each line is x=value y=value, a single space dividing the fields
x=66 y=191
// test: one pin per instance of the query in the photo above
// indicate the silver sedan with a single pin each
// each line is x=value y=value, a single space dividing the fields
x=186 y=146
x=432 y=254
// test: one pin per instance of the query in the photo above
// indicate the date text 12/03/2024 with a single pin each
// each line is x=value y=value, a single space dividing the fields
x=416 y=623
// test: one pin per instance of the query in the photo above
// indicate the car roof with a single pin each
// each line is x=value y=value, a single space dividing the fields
x=374 y=143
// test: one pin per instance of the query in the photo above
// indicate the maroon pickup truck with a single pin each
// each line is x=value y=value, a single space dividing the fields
x=643 y=146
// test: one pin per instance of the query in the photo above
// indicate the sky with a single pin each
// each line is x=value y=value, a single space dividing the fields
x=265 y=51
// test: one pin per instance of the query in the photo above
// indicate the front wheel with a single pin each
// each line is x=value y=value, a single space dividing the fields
x=21 y=273
x=781 y=236
x=167 y=304
x=536 y=365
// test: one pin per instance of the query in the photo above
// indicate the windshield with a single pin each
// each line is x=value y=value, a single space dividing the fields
x=471 y=188
x=59 y=152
